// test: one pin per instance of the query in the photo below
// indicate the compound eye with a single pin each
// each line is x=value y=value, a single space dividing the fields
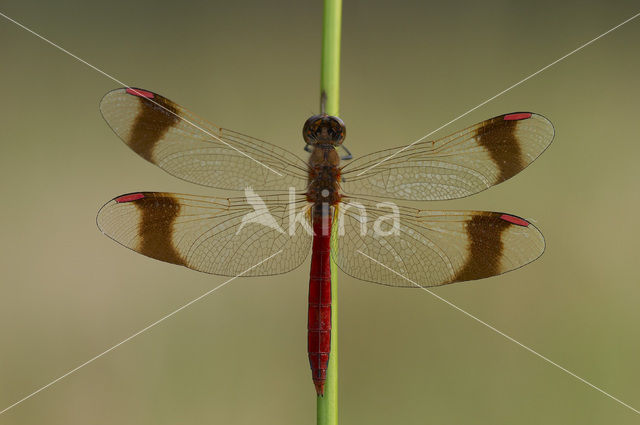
x=311 y=129
x=337 y=130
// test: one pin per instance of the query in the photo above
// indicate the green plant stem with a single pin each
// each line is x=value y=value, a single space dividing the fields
x=330 y=72
x=327 y=405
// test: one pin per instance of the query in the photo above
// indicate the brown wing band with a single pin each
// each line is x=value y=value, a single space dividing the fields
x=485 y=247
x=155 y=117
x=157 y=216
x=499 y=139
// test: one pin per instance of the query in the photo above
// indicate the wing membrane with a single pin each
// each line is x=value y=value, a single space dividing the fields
x=455 y=166
x=192 y=149
x=431 y=248
x=212 y=235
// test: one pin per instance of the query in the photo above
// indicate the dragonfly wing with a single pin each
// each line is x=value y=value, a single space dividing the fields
x=455 y=166
x=213 y=235
x=430 y=248
x=192 y=149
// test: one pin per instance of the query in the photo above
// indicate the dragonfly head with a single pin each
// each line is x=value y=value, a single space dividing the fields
x=324 y=129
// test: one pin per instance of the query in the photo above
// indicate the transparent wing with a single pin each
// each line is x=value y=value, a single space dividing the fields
x=213 y=235
x=429 y=248
x=455 y=166
x=192 y=149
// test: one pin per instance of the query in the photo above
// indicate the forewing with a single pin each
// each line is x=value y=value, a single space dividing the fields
x=213 y=235
x=192 y=149
x=455 y=166
x=430 y=248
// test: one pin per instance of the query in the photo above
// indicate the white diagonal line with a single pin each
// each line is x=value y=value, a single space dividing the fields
x=501 y=93
x=136 y=334
x=503 y=334
x=137 y=92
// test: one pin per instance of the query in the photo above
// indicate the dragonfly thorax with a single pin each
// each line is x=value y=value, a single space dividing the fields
x=324 y=175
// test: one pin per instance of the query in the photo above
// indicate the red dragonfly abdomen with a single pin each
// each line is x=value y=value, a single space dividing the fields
x=319 y=325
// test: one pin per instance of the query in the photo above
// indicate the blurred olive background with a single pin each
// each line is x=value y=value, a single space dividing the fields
x=239 y=355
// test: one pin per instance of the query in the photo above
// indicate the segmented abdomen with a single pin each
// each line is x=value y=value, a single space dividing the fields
x=319 y=324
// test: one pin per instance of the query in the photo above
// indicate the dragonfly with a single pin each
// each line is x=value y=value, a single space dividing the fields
x=340 y=213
